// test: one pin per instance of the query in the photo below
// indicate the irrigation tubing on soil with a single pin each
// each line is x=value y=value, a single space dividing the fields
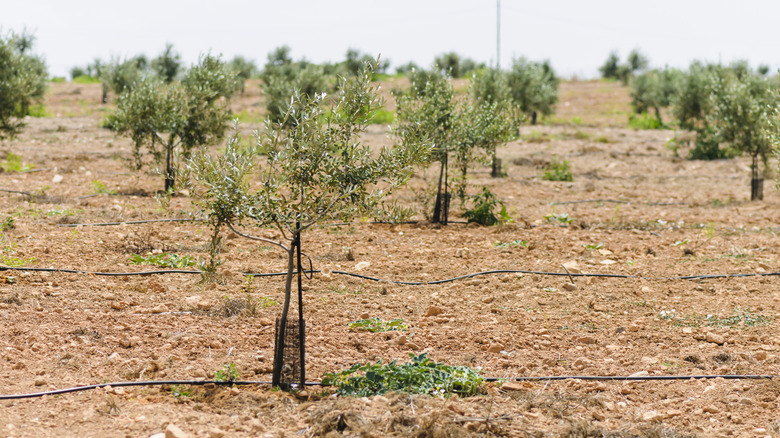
x=487 y=379
x=406 y=283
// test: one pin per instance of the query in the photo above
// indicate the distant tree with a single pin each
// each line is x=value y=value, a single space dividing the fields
x=489 y=120
x=763 y=70
x=609 y=70
x=533 y=89
x=637 y=62
x=448 y=64
x=22 y=81
x=654 y=90
x=612 y=69
x=167 y=64
x=244 y=69
x=355 y=60
x=77 y=71
x=743 y=109
x=279 y=88
x=119 y=76
x=169 y=119
x=405 y=69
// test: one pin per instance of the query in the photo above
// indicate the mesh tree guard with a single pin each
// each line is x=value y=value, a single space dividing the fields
x=289 y=346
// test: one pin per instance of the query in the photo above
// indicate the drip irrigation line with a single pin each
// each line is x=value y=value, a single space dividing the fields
x=17 y=192
x=616 y=201
x=487 y=379
x=406 y=283
x=105 y=274
x=105 y=224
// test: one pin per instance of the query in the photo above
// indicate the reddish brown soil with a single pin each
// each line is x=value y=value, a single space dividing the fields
x=674 y=218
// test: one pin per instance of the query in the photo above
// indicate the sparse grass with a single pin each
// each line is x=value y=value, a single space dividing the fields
x=383 y=117
x=644 y=121
x=523 y=243
x=376 y=325
x=85 y=79
x=740 y=319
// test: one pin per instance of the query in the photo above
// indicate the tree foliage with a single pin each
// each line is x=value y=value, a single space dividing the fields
x=654 y=90
x=283 y=77
x=22 y=81
x=170 y=118
x=451 y=64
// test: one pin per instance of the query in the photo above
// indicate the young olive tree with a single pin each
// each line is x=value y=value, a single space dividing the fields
x=22 y=81
x=316 y=169
x=429 y=108
x=533 y=88
x=488 y=120
x=654 y=90
x=121 y=75
x=171 y=118
x=244 y=69
x=743 y=109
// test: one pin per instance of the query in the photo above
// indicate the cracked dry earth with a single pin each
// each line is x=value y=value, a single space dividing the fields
x=635 y=209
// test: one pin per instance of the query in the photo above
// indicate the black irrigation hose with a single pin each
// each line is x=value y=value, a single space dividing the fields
x=105 y=274
x=407 y=283
x=487 y=379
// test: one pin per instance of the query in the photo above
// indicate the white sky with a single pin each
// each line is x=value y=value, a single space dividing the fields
x=576 y=35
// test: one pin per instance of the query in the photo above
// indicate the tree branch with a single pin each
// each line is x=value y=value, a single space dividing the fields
x=259 y=239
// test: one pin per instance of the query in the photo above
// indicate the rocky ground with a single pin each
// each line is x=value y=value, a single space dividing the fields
x=634 y=208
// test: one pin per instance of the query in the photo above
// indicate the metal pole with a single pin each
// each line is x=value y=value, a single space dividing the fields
x=498 y=34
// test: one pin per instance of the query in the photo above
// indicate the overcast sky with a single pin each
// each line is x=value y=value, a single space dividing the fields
x=575 y=35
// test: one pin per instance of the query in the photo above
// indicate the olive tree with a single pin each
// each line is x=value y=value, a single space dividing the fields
x=489 y=120
x=429 y=107
x=120 y=75
x=22 y=81
x=654 y=90
x=167 y=64
x=743 y=109
x=533 y=88
x=316 y=169
x=171 y=118
x=244 y=69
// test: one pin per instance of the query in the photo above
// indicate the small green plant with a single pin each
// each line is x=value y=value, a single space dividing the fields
x=644 y=121
x=681 y=242
x=558 y=170
x=180 y=391
x=99 y=187
x=228 y=373
x=163 y=260
x=14 y=163
x=8 y=224
x=483 y=211
x=375 y=325
x=550 y=289
x=419 y=376
x=558 y=218
x=523 y=243
x=593 y=246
